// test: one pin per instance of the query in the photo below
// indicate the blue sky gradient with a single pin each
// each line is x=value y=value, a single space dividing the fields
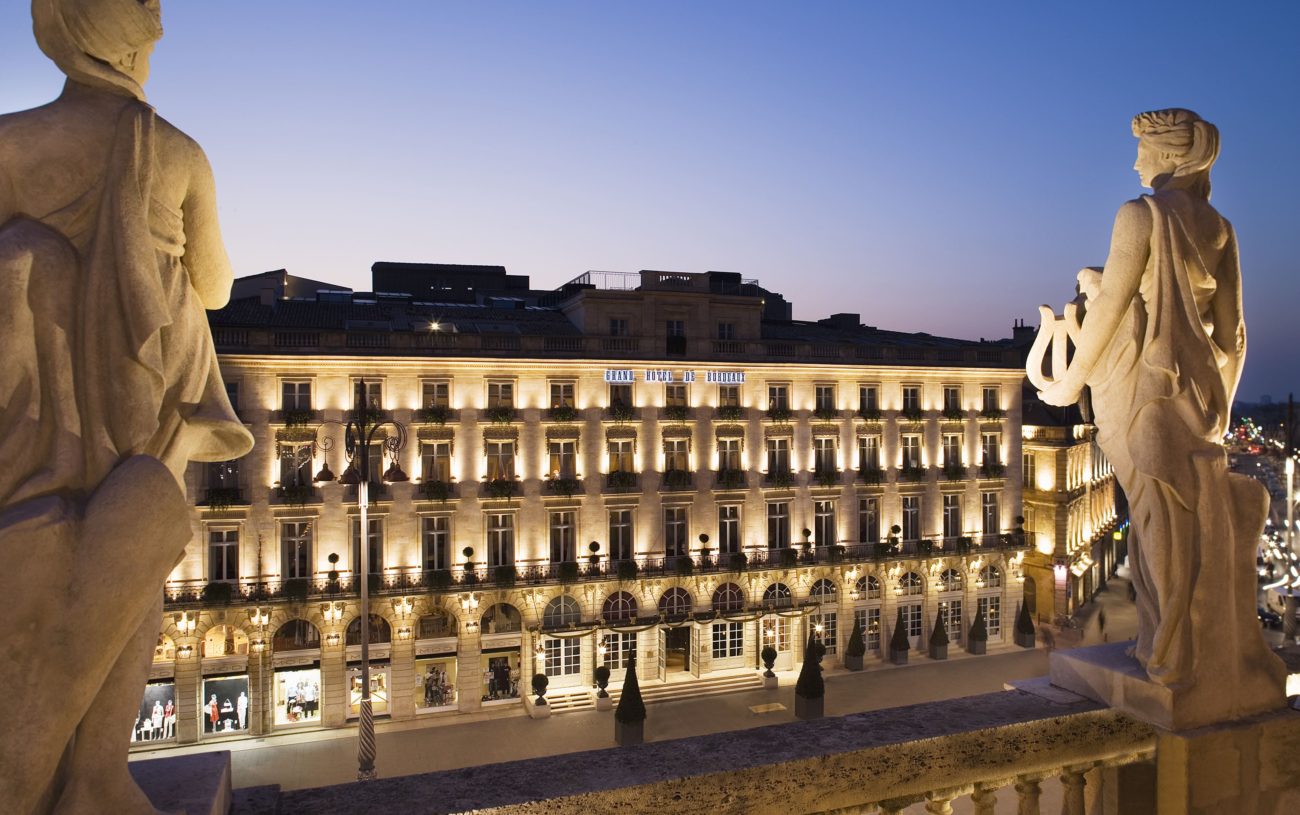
x=940 y=167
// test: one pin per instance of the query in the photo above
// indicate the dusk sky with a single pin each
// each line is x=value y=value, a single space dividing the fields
x=936 y=167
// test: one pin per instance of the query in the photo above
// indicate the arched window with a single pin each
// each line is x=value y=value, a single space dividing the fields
x=823 y=591
x=436 y=624
x=869 y=587
x=950 y=580
x=911 y=583
x=380 y=631
x=561 y=611
x=777 y=595
x=991 y=577
x=728 y=597
x=676 y=602
x=502 y=618
x=224 y=641
x=296 y=635
x=619 y=607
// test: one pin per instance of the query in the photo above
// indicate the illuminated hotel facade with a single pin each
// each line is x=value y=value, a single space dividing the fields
x=659 y=463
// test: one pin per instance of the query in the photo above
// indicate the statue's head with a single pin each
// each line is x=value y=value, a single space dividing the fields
x=102 y=43
x=1175 y=144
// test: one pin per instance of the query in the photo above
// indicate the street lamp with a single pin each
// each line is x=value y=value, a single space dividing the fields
x=358 y=434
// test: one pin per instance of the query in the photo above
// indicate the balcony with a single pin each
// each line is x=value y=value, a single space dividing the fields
x=870 y=474
x=952 y=413
x=219 y=498
x=826 y=414
x=729 y=480
x=676 y=480
x=869 y=414
x=563 y=486
x=778 y=413
x=436 y=415
x=826 y=477
x=911 y=414
x=561 y=413
x=297 y=495
x=911 y=473
x=779 y=479
x=621 y=482
x=435 y=490
x=675 y=413
x=297 y=417
x=953 y=472
x=621 y=413
x=992 y=413
x=500 y=489
x=993 y=469
x=729 y=413
x=501 y=414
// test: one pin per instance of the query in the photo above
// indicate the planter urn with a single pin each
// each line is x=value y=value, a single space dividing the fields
x=938 y=651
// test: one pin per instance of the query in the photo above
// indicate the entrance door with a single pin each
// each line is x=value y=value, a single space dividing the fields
x=663 y=654
x=677 y=650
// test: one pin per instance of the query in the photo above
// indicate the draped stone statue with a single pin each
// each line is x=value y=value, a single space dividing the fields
x=1158 y=340
x=109 y=254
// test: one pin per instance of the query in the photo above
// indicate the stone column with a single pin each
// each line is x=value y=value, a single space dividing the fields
x=469 y=672
x=402 y=679
x=333 y=686
x=187 y=695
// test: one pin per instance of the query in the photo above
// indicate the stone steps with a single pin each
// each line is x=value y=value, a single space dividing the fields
x=694 y=689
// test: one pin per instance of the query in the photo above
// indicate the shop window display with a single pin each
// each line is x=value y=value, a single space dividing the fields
x=156 y=719
x=225 y=705
x=378 y=690
x=296 y=635
x=502 y=618
x=297 y=696
x=435 y=682
x=501 y=676
x=224 y=641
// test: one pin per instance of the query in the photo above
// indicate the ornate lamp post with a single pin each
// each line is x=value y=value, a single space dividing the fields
x=358 y=434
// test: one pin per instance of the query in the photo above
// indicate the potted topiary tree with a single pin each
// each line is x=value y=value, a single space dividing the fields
x=898 y=644
x=629 y=716
x=810 y=688
x=1026 y=637
x=977 y=639
x=769 y=659
x=856 y=649
x=601 y=675
x=939 y=639
x=540 y=708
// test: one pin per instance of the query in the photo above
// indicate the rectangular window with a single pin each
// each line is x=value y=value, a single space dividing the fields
x=829 y=622
x=992 y=399
x=501 y=394
x=951 y=516
x=911 y=398
x=824 y=458
x=676 y=395
x=295 y=464
x=778 y=524
x=951 y=399
x=869 y=452
x=500 y=539
x=675 y=328
x=435 y=461
x=223 y=555
x=620 y=534
x=991 y=448
x=372 y=393
x=869 y=619
x=911 y=517
x=912 y=620
x=620 y=647
x=620 y=455
x=778 y=397
x=618 y=327
x=563 y=545
x=295 y=395
x=911 y=451
x=728 y=454
x=435 y=393
x=778 y=455
x=992 y=518
x=825 y=399
x=728 y=640
x=563 y=459
x=295 y=537
x=868 y=398
x=869 y=520
x=676 y=455
x=952 y=449
x=562 y=394
x=563 y=656
x=776 y=633
x=1029 y=470
x=950 y=610
x=500 y=460
x=729 y=528
x=375 y=539
x=620 y=395
x=435 y=532
x=992 y=608
x=728 y=396
x=726 y=331
x=675 y=531
x=825 y=532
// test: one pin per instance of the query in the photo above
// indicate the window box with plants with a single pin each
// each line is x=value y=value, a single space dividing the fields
x=954 y=472
x=505 y=575
x=993 y=469
x=730 y=413
x=562 y=413
x=218 y=593
x=810 y=688
x=826 y=478
x=501 y=414
x=566 y=486
x=436 y=490
x=434 y=414
x=626 y=570
x=778 y=414
x=620 y=412
x=871 y=475
x=296 y=494
x=296 y=417
x=567 y=571
x=912 y=415
x=779 y=479
x=826 y=414
x=911 y=472
x=729 y=480
x=500 y=488
x=737 y=561
x=621 y=481
x=869 y=414
x=677 y=480
x=992 y=413
x=224 y=497
x=953 y=414
x=676 y=413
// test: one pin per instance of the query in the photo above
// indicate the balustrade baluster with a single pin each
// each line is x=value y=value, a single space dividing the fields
x=1073 y=781
x=939 y=802
x=985 y=800
x=1028 y=791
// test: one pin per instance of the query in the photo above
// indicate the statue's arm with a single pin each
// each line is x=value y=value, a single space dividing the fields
x=1130 y=244
x=205 y=254
x=1228 y=316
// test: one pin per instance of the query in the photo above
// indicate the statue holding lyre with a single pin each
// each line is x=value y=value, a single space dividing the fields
x=1158 y=338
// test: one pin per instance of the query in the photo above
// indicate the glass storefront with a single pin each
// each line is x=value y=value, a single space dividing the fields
x=435 y=682
x=501 y=674
x=297 y=696
x=156 y=719
x=225 y=705
x=378 y=689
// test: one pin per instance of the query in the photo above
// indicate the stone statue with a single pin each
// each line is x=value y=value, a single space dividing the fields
x=1159 y=341
x=109 y=254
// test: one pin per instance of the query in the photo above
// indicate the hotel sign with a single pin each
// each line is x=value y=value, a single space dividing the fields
x=626 y=376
